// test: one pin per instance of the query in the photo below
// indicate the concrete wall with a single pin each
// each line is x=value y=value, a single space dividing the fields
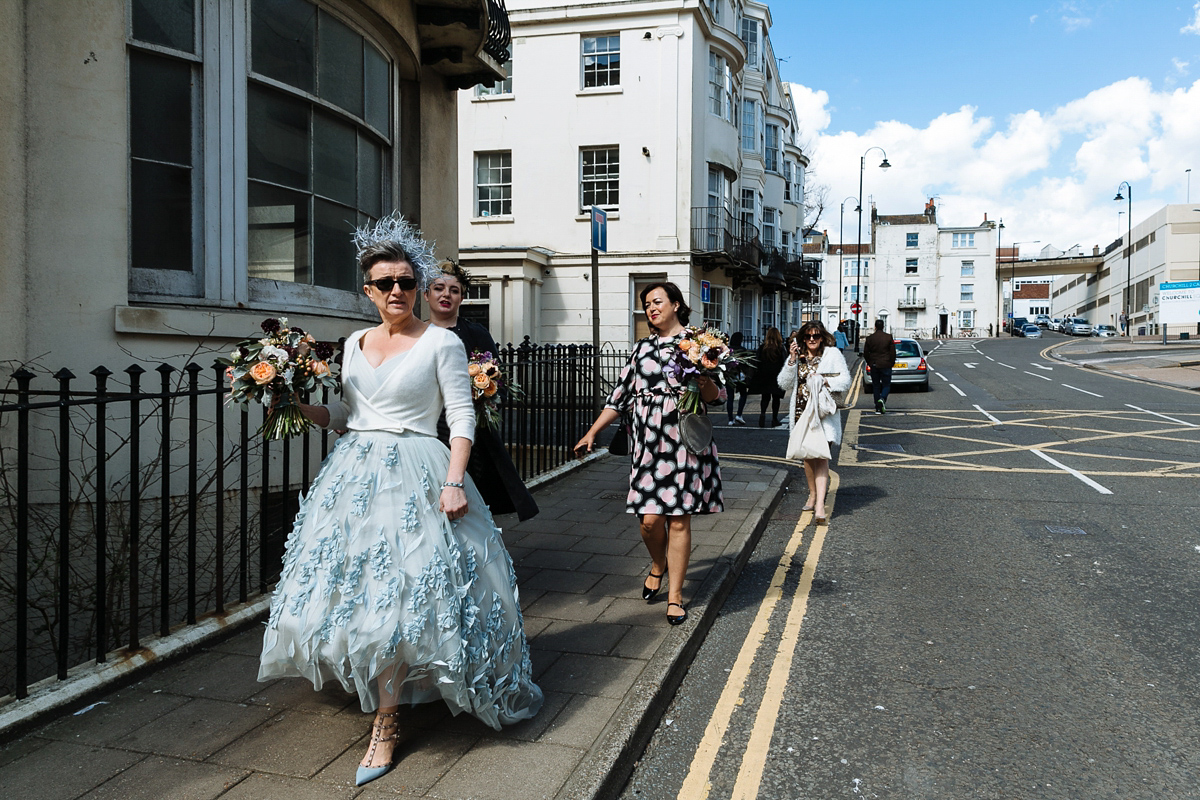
x=13 y=302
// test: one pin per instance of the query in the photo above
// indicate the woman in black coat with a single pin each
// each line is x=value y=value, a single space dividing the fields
x=490 y=466
x=767 y=364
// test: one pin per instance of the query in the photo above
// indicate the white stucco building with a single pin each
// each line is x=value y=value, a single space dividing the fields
x=670 y=116
x=1166 y=248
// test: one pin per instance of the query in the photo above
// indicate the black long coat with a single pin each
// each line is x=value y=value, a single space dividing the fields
x=490 y=466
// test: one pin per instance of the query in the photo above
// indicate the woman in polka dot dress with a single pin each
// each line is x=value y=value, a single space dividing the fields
x=667 y=484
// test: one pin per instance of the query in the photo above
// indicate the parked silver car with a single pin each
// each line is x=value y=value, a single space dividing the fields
x=1056 y=324
x=1104 y=330
x=1032 y=332
x=1077 y=326
x=910 y=367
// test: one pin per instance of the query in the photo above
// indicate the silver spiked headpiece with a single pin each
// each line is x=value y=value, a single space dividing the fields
x=396 y=230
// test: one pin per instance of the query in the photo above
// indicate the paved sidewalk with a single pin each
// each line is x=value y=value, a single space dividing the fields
x=1176 y=364
x=607 y=661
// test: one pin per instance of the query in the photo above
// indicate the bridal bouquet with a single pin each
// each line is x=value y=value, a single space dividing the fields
x=702 y=353
x=274 y=369
x=486 y=383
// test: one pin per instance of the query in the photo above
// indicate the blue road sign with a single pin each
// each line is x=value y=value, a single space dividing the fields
x=599 y=229
x=705 y=292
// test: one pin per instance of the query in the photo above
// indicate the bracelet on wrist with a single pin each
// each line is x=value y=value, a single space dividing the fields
x=451 y=485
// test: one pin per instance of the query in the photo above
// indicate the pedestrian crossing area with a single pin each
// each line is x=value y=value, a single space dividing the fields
x=951 y=346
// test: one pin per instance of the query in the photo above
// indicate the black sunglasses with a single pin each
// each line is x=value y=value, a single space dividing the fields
x=385 y=284
x=811 y=336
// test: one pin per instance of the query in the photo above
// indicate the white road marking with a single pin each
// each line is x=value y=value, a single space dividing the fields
x=969 y=365
x=1034 y=374
x=940 y=375
x=961 y=393
x=1164 y=416
x=1042 y=366
x=1074 y=472
x=989 y=416
x=989 y=358
x=1085 y=391
x=1001 y=363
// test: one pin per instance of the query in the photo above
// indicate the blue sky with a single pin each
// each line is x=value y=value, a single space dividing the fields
x=1033 y=111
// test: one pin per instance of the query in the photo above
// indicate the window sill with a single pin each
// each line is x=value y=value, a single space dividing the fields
x=610 y=215
x=492 y=98
x=498 y=220
x=600 y=90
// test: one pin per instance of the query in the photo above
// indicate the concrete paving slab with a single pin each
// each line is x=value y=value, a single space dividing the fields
x=598 y=676
x=62 y=770
x=561 y=580
x=581 y=721
x=553 y=559
x=217 y=676
x=292 y=743
x=274 y=787
x=195 y=730
x=117 y=715
x=529 y=730
x=156 y=778
x=566 y=605
x=575 y=637
x=296 y=694
x=510 y=771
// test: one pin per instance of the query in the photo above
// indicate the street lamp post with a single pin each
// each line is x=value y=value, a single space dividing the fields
x=862 y=167
x=1127 y=300
x=1012 y=283
x=999 y=250
x=841 y=248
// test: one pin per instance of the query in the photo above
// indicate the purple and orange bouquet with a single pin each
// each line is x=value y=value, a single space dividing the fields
x=487 y=381
x=702 y=353
x=273 y=371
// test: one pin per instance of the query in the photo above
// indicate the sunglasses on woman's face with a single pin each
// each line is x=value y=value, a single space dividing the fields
x=385 y=284
x=812 y=337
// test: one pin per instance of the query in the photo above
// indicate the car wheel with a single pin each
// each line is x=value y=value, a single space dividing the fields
x=925 y=386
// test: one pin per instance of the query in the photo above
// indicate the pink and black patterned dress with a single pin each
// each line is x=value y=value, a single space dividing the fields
x=665 y=478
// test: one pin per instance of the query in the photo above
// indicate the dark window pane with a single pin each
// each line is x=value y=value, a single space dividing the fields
x=333 y=249
x=340 y=65
x=370 y=177
x=161 y=216
x=283 y=40
x=160 y=108
x=377 y=91
x=334 y=174
x=277 y=245
x=278 y=138
x=170 y=23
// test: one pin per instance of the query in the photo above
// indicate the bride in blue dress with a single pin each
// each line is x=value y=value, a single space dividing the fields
x=395 y=580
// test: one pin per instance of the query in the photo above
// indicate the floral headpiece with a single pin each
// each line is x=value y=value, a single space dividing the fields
x=399 y=232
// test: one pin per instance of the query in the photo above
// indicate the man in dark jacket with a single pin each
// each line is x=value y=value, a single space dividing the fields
x=879 y=351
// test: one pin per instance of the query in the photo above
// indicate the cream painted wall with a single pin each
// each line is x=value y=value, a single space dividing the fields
x=13 y=307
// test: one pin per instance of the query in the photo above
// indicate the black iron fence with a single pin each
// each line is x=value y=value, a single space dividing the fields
x=131 y=506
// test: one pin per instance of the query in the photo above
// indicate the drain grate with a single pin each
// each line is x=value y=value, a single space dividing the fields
x=1066 y=530
x=882 y=448
x=612 y=495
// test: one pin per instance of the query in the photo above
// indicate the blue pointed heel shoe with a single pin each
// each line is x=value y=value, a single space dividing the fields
x=367 y=774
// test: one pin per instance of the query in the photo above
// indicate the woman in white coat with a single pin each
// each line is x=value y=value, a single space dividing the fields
x=813 y=349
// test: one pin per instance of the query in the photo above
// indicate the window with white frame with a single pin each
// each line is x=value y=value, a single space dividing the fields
x=850 y=268
x=599 y=173
x=714 y=8
x=749 y=207
x=601 y=61
x=911 y=239
x=785 y=243
x=771 y=152
x=910 y=319
x=966 y=318
x=850 y=293
x=720 y=87
x=312 y=96
x=910 y=293
x=499 y=88
x=746 y=314
x=798 y=183
x=910 y=266
x=966 y=293
x=768 y=311
x=768 y=227
x=749 y=34
x=493 y=184
x=749 y=122
x=715 y=308
x=968 y=269
x=962 y=240
x=787 y=181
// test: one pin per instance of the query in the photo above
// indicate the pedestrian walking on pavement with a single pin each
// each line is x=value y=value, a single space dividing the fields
x=879 y=352
x=813 y=350
x=667 y=483
x=395 y=580
x=738 y=379
x=767 y=364
x=491 y=467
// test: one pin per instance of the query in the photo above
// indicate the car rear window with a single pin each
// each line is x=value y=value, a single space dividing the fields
x=907 y=349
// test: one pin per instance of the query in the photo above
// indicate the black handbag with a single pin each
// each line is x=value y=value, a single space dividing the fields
x=619 y=446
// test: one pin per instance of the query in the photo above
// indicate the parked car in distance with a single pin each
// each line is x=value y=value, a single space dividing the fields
x=1016 y=326
x=1032 y=331
x=1042 y=320
x=1077 y=326
x=1056 y=324
x=1104 y=330
x=910 y=367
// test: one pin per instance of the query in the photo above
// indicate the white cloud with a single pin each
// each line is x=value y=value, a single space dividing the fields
x=1181 y=66
x=1050 y=173
x=1194 y=25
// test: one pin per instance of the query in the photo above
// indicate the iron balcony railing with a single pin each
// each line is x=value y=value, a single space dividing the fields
x=129 y=510
x=499 y=36
x=723 y=239
x=910 y=305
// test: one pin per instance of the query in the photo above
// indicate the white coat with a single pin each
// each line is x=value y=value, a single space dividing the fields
x=832 y=361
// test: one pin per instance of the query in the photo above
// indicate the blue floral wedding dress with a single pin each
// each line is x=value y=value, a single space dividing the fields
x=376 y=580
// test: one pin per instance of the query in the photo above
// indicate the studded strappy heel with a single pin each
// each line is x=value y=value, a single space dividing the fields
x=378 y=727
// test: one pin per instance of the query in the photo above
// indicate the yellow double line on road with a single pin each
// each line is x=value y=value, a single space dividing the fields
x=696 y=784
